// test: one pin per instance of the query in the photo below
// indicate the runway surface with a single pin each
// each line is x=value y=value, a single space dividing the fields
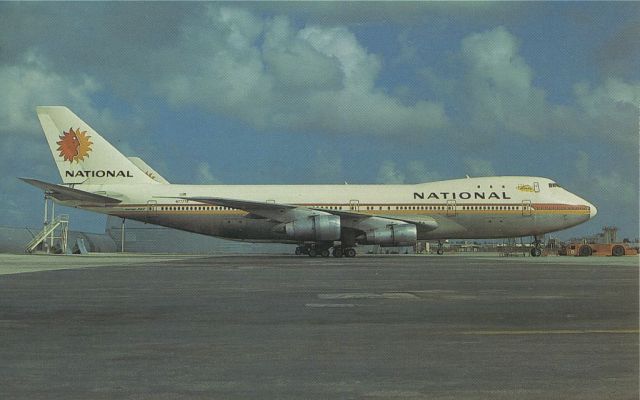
x=387 y=327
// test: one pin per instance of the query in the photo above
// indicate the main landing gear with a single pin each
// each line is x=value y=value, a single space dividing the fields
x=536 y=250
x=314 y=250
x=440 y=249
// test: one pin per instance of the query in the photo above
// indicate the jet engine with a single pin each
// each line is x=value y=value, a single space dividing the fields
x=393 y=235
x=314 y=228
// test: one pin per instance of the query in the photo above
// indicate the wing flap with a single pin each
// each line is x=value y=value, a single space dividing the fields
x=358 y=221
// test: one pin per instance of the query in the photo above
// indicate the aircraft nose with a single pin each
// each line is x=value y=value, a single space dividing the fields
x=592 y=210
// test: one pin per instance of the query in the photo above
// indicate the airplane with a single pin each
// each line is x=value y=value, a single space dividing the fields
x=320 y=219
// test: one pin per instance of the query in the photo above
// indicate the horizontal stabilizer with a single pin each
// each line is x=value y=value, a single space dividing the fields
x=63 y=193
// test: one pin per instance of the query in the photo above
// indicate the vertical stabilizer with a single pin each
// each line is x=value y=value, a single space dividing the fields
x=81 y=154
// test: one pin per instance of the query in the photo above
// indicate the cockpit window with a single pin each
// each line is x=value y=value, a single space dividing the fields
x=553 y=184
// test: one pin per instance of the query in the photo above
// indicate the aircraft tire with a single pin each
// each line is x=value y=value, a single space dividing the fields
x=536 y=252
x=325 y=253
x=617 y=251
x=440 y=252
x=585 y=251
x=337 y=252
x=349 y=252
x=312 y=253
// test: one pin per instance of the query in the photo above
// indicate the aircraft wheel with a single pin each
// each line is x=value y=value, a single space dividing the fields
x=350 y=252
x=617 y=251
x=337 y=252
x=312 y=253
x=440 y=252
x=536 y=252
x=585 y=251
x=325 y=253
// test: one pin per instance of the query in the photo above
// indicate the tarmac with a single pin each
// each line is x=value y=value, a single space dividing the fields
x=285 y=327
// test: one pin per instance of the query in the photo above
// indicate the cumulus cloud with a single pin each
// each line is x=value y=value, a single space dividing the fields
x=30 y=83
x=269 y=70
x=501 y=99
x=415 y=171
x=204 y=174
x=388 y=173
x=606 y=187
x=418 y=172
x=479 y=167
x=499 y=87
x=313 y=79
x=611 y=109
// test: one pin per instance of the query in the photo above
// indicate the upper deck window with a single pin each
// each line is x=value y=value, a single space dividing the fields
x=553 y=184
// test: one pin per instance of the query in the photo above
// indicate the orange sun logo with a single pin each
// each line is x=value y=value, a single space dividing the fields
x=74 y=145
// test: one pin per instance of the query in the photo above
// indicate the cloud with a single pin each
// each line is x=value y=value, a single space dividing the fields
x=618 y=55
x=316 y=79
x=498 y=86
x=415 y=171
x=478 y=167
x=204 y=174
x=614 y=192
x=610 y=110
x=502 y=101
x=388 y=173
x=30 y=83
x=407 y=13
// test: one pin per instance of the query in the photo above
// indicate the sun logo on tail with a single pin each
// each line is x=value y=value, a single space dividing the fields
x=74 y=145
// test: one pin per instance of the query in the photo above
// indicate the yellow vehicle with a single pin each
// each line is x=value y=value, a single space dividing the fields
x=599 y=249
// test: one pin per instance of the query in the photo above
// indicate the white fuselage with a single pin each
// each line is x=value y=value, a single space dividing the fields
x=489 y=207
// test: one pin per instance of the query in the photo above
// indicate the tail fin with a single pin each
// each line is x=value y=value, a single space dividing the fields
x=81 y=154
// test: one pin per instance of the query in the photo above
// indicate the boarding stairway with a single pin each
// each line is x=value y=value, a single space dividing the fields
x=49 y=232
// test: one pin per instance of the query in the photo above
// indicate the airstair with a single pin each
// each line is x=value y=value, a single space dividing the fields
x=57 y=229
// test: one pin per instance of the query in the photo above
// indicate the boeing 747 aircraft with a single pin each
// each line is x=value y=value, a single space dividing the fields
x=321 y=219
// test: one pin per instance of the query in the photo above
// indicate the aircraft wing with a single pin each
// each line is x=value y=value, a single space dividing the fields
x=288 y=212
x=64 y=193
x=274 y=211
x=365 y=221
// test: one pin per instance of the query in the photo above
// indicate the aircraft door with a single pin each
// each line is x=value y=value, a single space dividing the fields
x=354 y=205
x=527 y=209
x=451 y=208
x=536 y=187
x=152 y=208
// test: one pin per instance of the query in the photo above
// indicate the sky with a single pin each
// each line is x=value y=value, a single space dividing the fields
x=242 y=93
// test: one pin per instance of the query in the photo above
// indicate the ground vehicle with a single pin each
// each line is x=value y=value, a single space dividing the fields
x=599 y=249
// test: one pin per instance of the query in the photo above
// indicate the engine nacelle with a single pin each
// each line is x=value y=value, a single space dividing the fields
x=393 y=235
x=314 y=228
